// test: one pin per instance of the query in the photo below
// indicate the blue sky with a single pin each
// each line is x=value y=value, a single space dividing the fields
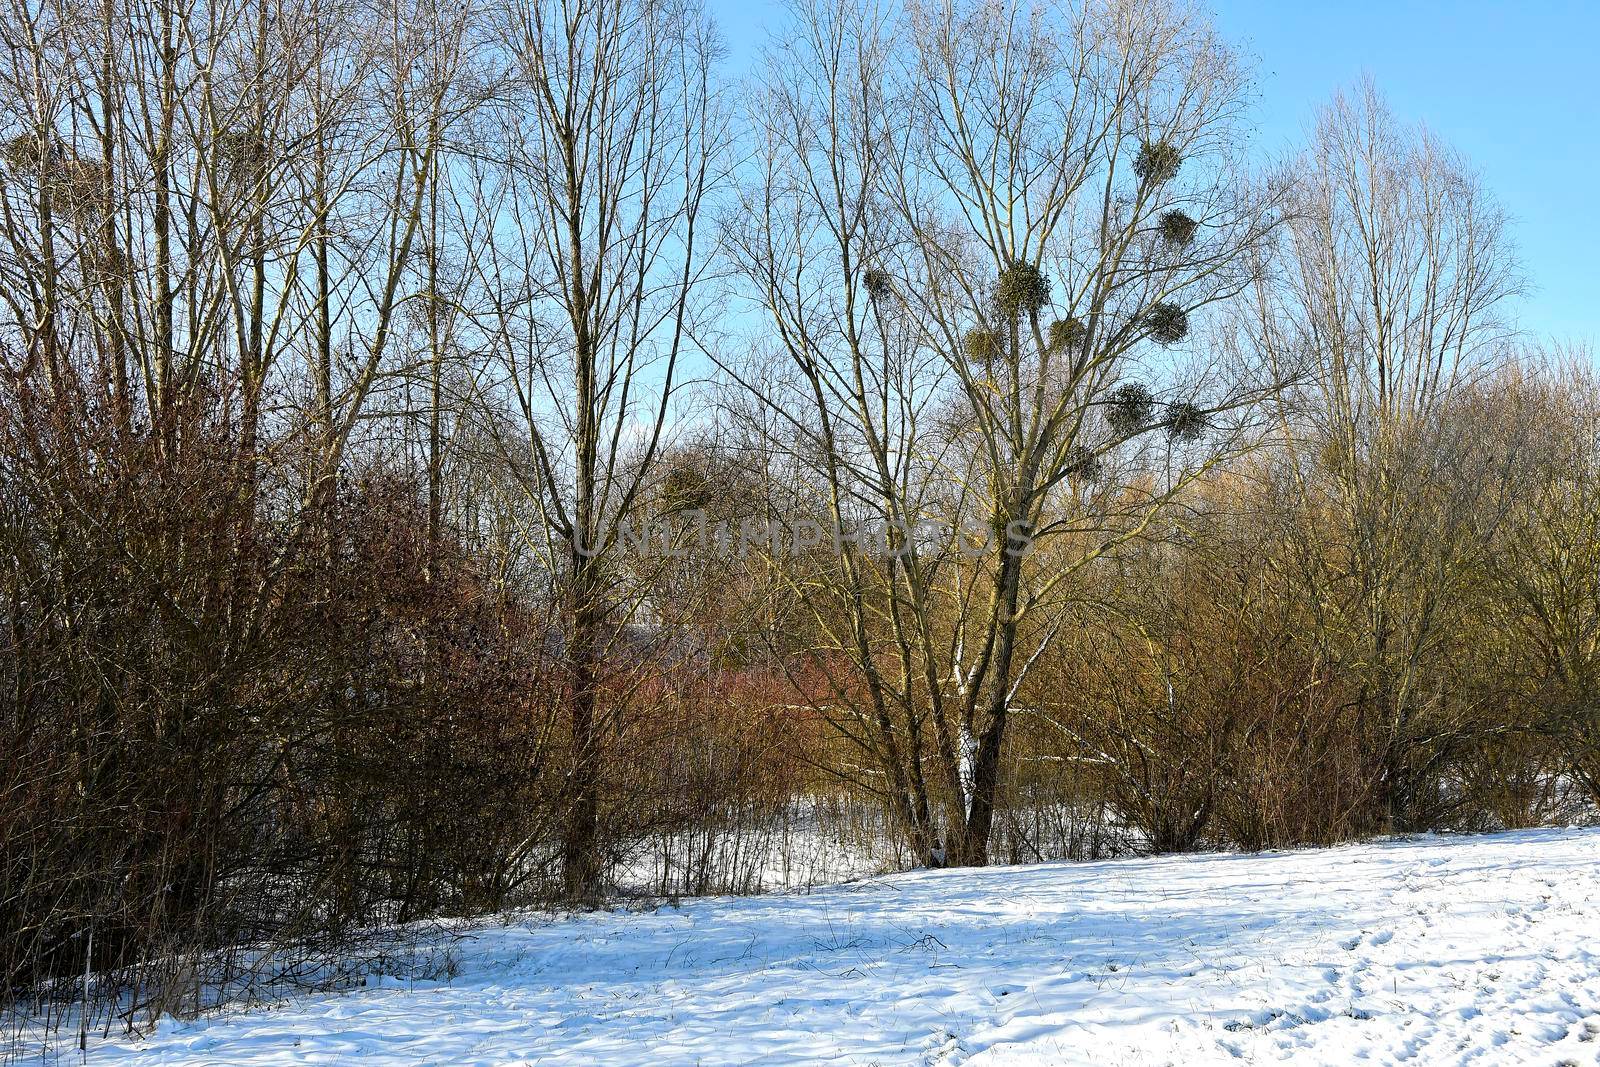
x=1511 y=84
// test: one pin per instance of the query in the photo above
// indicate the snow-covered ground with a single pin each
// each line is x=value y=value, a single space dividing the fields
x=1433 y=951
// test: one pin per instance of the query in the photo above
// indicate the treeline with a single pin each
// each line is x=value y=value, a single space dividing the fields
x=399 y=401
x=1329 y=645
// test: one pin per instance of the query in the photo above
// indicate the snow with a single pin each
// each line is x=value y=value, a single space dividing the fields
x=1435 y=950
x=800 y=850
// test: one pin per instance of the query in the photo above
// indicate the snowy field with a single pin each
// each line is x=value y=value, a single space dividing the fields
x=1433 y=951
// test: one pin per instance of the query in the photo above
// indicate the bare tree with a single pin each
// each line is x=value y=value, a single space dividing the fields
x=981 y=306
x=1399 y=276
x=613 y=140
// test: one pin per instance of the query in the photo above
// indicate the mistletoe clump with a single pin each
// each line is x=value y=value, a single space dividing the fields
x=1022 y=289
x=1167 y=323
x=1067 y=334
x=1128 y=407
x=981 y=345
x=1177 y=229
x=1157 y=162
x=1083 y=463
x=1185 y=421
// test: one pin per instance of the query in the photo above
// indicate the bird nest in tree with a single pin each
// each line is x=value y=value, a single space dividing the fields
x=877 y=283
x=1177 y=228
x=1157 y=162
x=107 y=263
x=1022 y=289
x=80 y=188
x=1128 y=407
x=242 y=153
x=686 y=488
x=23 y=153
x=429 y=309
x=1067 y=334
x=981 y=345
x=1166 y=323
x=1185 y=421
